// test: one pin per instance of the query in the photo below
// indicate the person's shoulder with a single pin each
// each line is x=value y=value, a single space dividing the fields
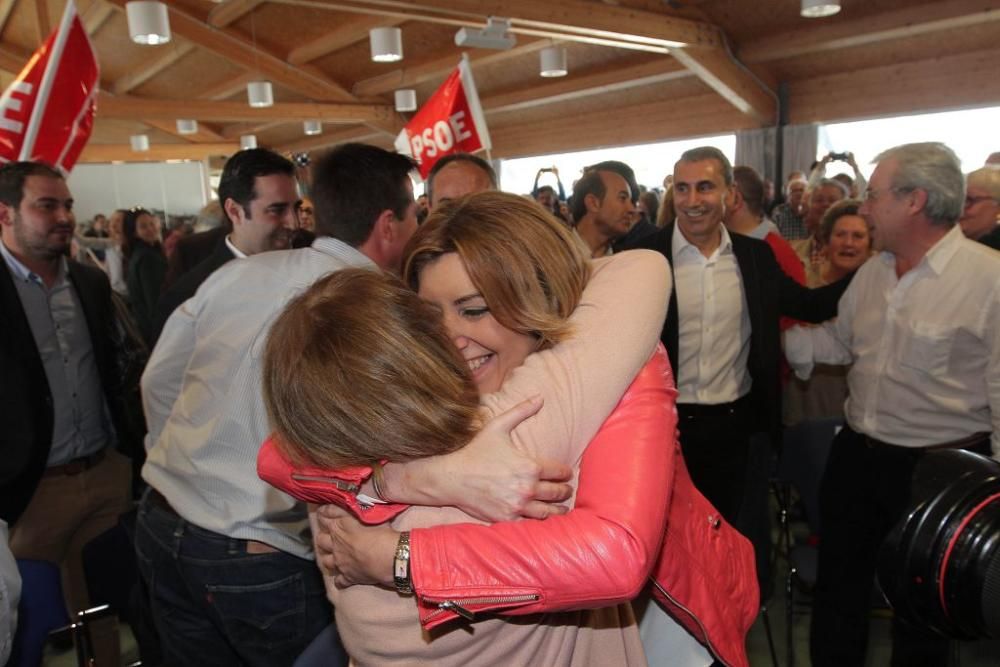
x=658 y=239
x=87 y=274
x=635 y=267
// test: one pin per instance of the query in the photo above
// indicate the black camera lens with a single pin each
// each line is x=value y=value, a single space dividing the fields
x=940 y=566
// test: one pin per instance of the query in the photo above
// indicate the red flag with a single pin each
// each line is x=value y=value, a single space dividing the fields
x=451 y=121
x=47 y=113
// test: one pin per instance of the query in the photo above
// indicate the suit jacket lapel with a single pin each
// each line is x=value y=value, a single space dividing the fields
x=671 y=328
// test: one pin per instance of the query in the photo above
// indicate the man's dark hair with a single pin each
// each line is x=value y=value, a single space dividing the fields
x=622 y=170
x=14 y=174
x=474 y=160
x=590 y=183
x=241 y=172
x=702 y=153
x=751 y=188
x=353 y=184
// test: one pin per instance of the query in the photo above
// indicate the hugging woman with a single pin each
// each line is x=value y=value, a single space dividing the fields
x=528 y=315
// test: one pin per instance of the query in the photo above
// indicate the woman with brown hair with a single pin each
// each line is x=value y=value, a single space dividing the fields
x=508 y=281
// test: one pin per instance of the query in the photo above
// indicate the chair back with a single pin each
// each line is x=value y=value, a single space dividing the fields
x=42 y=609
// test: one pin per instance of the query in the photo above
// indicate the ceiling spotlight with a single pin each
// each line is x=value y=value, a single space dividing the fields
x=187 y=126
x=260 y=94
x=312 y=127
x=816 y=9
x=496 y=35
x=553 y=62
x=140 y=142
x=406 y=99
x=248 y=141
x=386 y=44
x=148 y=22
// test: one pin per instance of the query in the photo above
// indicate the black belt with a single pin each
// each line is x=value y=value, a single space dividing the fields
x=698 y=410
x=76 y=466
x=973 y=442
x=248 y=546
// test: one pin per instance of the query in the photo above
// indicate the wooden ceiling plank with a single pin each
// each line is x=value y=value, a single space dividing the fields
x=95 y=16
x=327 y=139
x=150 y=68
x=236 y=49
x=237 y=130
x=438 y=67
x=227 y=88
x=132 y=108
x=568 y=17
x=6 y=7
x=229 y=12
x=206 y=134
x=156 y=153
x=12 y=60
x=737 y=86
x=43 y=22
x=343 y=35
x=900 y=23
x=598 y=81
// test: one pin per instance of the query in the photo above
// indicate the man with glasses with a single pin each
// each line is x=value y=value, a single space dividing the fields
x=982 y=206
x=919 y=323
x=259 y=198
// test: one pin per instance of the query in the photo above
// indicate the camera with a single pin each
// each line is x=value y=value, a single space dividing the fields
x=940 y=565
x=839 y=156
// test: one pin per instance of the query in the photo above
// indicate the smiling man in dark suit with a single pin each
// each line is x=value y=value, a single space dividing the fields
x=260 y=201
x=721 y=331
x=62 y=482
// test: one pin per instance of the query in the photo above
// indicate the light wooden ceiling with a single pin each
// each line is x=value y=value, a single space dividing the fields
x=640 y=70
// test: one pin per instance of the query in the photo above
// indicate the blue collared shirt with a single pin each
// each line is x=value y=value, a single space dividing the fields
x=80 y=421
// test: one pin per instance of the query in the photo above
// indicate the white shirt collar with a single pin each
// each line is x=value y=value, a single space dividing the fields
x=239 y=254
x=679 y=244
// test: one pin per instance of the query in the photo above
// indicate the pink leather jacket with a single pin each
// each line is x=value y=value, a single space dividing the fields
x=632 y=484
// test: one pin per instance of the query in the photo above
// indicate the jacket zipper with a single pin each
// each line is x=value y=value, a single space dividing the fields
x=704 y=632
x=451 y=605
x=339 y=483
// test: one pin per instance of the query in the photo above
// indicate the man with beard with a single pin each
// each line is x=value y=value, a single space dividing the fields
x=721 y=331
x=61 y=481
x=259 y=197
x=602 y=210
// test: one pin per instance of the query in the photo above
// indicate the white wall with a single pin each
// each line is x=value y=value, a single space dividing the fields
x=177 y=188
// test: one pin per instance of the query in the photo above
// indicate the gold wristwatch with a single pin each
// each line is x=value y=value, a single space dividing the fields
x=401 y=565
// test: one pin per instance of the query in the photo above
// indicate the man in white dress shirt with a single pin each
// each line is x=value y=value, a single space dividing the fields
x=920 y=324
x=228 y=559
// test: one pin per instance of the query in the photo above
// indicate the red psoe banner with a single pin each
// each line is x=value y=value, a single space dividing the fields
x=451 y=121
x=47 y=113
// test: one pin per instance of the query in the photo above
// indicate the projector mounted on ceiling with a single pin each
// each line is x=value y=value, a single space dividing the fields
x=494 y=36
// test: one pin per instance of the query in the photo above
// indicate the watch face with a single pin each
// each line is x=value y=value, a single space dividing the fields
x=400 y=569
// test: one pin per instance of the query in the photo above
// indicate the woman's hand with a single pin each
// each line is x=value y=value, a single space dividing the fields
x=352 y=552
x=488 y=478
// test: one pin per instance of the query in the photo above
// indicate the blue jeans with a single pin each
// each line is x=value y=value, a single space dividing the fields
x=216 y=605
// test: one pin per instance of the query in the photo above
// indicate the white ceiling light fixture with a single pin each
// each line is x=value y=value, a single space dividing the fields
x=496 y=35
x=248 y=141
x=140 y=142
x=312 y=127
x=260 y=94
x=148 y=22
x=187 y=126
x=553 y=62
x=406 y=100
x=817 y=9
x=386 y=44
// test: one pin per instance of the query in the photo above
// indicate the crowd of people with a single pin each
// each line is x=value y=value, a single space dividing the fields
x=355 y=407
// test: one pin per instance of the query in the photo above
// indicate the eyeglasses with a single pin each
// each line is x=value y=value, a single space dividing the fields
x=972 y=201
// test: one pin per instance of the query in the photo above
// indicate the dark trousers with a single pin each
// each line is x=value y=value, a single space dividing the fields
x=715 y=440
x=217 y=605
x=864 y=492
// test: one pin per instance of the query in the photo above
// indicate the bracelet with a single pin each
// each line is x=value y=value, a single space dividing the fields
x=401 y=565
x=378 y=481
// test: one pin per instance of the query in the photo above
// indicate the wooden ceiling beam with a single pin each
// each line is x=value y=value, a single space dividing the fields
x=43 y=22
x=134 y=108
x=597 y=81
x=565 y=18
x=437 y=67
x=206 y=134
x=922 y=19
x=229 y=12
x=349 y=32
x=95 y=16
x=233 y=47
x=12 y=60
x=734 y=83
x=156 y=153
x=6 y=7
x=160 y=61
x=239 y=129
x=226 y=89
x=327 y=139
